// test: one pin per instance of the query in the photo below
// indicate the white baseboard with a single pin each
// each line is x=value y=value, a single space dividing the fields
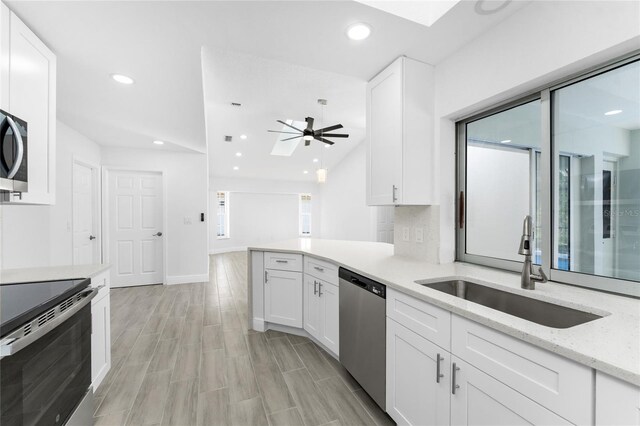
x=184 y=279
x=227 y=250
x=258 y=324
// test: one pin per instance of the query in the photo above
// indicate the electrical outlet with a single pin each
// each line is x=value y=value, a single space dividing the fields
x=187 y=220
x=405 y=233
x=419 y=234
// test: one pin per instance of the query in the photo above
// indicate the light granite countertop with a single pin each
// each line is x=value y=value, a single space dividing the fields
x=610 y=344
x=51 y=273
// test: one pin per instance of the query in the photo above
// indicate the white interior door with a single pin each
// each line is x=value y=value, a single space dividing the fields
x=135 y=228
x=86 y=244
x=384 y=226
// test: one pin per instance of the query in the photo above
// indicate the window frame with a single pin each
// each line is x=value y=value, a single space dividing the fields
x=227 y=228
x=301 y=214
x=548 y=154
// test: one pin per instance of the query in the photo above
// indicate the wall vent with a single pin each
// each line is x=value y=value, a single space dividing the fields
x=228 y=138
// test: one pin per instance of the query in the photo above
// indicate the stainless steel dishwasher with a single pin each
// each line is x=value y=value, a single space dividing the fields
x=363 y=332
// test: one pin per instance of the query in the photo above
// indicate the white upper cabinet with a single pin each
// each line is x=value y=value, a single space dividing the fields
x=28 y=91
x=400 y=140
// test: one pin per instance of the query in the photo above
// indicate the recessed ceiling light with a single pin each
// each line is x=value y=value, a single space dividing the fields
x=613 y=112
x=236 y=168
x=315 y=160
x=122 y=78
x=238 y=154
x=157 y=142
x=358 y=31
x=243 y=136
x=506 y=141
x=305 y=172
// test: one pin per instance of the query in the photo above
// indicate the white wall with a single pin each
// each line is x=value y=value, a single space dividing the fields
x=35 y=236
x=345 y=214
x=539 y=44
x=261 y=211
x=185 y=180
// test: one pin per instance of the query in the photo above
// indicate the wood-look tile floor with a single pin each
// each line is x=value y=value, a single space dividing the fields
x=183 y=355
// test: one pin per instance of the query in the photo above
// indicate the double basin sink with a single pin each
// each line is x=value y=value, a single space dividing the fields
x=543 y=313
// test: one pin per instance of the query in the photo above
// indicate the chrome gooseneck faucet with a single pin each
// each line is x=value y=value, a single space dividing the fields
x=529 y=278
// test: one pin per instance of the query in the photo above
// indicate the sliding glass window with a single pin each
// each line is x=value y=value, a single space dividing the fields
x=570 y=158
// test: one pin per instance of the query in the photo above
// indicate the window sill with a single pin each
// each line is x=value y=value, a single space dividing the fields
x=222 y=238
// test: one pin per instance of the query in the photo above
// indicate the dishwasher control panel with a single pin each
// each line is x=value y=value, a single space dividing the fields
x=363 y=282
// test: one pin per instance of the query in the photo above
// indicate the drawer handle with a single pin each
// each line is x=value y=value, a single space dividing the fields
x=317 y=268
x=454 y=386
x=315 y=287
x=438 y=374
x=281 y=261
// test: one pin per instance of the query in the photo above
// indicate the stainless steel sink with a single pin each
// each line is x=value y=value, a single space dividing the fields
x=543 y=313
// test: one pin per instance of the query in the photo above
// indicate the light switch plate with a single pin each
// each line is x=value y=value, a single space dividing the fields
x=419 y=235
x=405 y=233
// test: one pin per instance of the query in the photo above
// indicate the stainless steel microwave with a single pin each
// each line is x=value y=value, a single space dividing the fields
x=13 y=153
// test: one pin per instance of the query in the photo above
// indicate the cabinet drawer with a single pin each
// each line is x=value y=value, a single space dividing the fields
x=427 y=320
x=320 y=269
x=283 y=261
x=559 y=384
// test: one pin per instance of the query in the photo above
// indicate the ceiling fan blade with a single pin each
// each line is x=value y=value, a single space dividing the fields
x=288 y=139
x=318 y=138
x=336 y=135
x=289 y=125
x=309 y=121
x=280 y=131
x=328 y=129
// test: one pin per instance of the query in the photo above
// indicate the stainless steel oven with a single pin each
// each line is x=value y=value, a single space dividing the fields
x=45 y=350
x=13 y=153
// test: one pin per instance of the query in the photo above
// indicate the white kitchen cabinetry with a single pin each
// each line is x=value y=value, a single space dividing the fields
x=497 y=380
x=617 y=402
x=480 y=399
x=28 y=91
x=283 y=297
x=400 y=140
x=100 y=329
x=418 y=375
x=322 y=311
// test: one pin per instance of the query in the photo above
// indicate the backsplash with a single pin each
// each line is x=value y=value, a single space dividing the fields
x=417 y=232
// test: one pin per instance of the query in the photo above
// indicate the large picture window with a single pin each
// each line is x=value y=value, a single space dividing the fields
x=570 y=158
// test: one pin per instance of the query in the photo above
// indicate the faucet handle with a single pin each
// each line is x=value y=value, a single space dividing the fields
x=543 y=277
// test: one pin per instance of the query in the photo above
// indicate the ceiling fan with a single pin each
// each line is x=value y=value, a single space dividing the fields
x=309 y=134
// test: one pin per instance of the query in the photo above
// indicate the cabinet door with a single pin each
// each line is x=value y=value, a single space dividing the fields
x=617 y=402
x=311 y=306
x=283 y=297
x=384 y=137
x=479 y=399
x=329 y=296
x=414 y=395
x=100 y=340
x=32 y=97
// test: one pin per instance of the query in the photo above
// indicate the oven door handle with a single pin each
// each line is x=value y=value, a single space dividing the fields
x=16 y=341
x=17 y=161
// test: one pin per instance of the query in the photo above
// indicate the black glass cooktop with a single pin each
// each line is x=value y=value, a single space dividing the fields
x=22 y=302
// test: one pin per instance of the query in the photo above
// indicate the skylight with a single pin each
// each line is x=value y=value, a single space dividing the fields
x=286 y=148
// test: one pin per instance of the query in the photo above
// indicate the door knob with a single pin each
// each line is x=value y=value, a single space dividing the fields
x=157 y=234
x=91 y=237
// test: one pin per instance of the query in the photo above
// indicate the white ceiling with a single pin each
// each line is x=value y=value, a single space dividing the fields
x=159 y=44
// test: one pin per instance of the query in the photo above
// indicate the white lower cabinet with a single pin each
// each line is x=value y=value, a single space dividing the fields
x=100 y=339
x=617 y=402
x=488 y=378
x=321 y=311
x=479 y=399
x=416 y=393
x=283 y=297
